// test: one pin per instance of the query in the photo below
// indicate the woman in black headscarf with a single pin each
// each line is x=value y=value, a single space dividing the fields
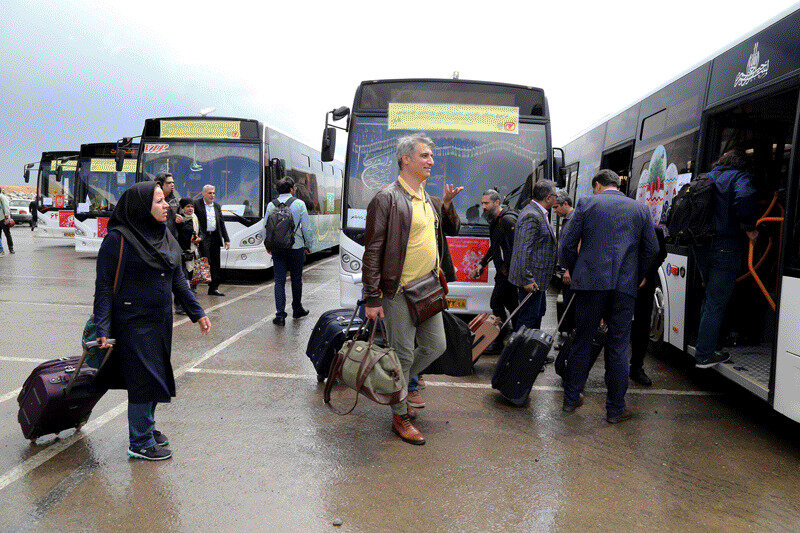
x=138 y=270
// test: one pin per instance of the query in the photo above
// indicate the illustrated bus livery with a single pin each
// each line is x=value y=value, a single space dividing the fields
x=55 y=193
x=243 y=160
x=486 y=135
x=746 y=98
x=97 y=190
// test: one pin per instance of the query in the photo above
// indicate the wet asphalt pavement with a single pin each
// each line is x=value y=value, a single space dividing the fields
x=255 y=449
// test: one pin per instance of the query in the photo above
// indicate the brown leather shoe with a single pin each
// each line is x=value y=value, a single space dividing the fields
x=626 y=414
x=570 y=408
x=404 y=429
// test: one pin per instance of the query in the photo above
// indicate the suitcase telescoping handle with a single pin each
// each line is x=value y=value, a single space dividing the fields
x=355 y=312
x=563 y=316
x=91 y=344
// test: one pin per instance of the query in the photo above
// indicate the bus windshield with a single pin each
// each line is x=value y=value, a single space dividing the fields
x=476 y=161
x=234 y=169
x=56 y=193
x=102 y=185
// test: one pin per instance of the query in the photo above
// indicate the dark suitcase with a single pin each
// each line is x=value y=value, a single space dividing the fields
x=44 y=406
x=328 y=335
x=562 y=359
x=457 y=357
x=520 y=363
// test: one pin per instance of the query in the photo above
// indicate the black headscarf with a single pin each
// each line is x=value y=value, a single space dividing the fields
x=133 y=218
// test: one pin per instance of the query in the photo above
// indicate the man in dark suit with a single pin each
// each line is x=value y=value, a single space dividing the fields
x=617 y=248
x=533 y=257
x=212 y=234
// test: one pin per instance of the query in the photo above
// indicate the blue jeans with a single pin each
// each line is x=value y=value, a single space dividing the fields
x=288 y=261
x=616 y=308
x=141 y=423
x=413 y=383
x=530 y=315
x=718 y=270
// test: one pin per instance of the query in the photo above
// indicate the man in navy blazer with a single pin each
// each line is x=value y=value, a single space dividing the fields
x=618 y=245
x=533 y=257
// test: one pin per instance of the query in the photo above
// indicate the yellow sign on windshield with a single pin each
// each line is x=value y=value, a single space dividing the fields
x=201 y=129
x=454 y=117
x=66 y=166
x=110 y=165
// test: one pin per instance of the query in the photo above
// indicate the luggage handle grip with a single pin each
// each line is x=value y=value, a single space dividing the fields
x=94 y=344
x=90 y=344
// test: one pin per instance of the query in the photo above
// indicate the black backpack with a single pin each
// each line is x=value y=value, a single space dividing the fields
x=691 y=218
x=279 y=234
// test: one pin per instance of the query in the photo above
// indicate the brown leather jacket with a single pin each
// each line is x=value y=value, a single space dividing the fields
x=386 y=240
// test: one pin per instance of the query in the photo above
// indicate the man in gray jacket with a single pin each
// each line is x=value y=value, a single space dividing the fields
x=5 y=220
x=534 y=255
x=617 y=248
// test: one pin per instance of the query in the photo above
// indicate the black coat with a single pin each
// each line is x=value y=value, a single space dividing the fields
x=139 y=317
x=221 y=232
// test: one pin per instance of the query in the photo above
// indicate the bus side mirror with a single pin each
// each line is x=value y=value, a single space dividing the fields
x=328 y=143
x=119 y=157
x=58 y=172
x=27 y=173
x=340 y=112
x=559 y=172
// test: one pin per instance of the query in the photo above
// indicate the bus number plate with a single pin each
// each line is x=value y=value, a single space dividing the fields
x=457 y=303
x=69 y=234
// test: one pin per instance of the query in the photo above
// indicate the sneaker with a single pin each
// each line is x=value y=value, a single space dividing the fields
x=414 y=399
x=161 y=439
x=707 y=361
x=153 y=453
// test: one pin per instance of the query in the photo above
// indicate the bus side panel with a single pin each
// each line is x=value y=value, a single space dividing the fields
x=675 y=269
x=787 y=370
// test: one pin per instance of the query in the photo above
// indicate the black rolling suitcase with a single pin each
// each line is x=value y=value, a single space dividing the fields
x=330 y=332
x=562 y=360
x=522 y=361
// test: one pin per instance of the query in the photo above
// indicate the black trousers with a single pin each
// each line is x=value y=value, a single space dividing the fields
x=640 y=330
x=504 y=296
x=212 y=252
x=9 y=240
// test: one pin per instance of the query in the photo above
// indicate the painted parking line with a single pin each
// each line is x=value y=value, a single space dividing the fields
x=22 y=359
x=56 y=448
x=450 y=384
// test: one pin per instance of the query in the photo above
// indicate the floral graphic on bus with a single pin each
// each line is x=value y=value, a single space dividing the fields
x=658 y=185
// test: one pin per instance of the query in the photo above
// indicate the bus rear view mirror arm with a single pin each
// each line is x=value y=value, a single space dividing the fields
x=27 y=173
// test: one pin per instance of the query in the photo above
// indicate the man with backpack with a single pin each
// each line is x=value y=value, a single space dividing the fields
x=720 y=258
x=502 y=220
x=288 y=239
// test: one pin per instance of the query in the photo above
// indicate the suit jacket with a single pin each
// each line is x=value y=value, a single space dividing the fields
x=534 y=255
x=200 y=213
x=617 y=240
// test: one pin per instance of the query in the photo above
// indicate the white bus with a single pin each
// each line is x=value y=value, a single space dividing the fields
x=243 y=159
x=55 y=195
x=486 y=135
x=746 y=97
x=97 y=190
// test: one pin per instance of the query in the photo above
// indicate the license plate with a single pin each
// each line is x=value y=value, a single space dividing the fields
x=457 y=303
x=70 y=234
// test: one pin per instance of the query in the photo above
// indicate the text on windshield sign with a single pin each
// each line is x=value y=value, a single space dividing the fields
x=453 y=117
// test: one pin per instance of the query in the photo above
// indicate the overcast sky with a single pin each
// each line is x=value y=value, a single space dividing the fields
x=79 y=71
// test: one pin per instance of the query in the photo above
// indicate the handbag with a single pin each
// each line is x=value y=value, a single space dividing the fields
x=368 y=369
x=425 y=296
x=202 y=271
x=10 y=222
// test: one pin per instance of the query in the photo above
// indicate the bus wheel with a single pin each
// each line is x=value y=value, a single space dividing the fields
x=657 y=320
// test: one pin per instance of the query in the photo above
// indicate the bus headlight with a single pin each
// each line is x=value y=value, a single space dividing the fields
x=256 y=239
x=350 y=264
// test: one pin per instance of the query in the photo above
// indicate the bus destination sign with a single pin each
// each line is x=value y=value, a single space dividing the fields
x=201 y=129
x=109 y=165
x=454 y=117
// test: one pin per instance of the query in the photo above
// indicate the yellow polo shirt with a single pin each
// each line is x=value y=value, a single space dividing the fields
x=421 y=253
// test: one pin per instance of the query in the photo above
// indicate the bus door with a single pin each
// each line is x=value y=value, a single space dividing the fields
x=764 y=127
x=619 y=160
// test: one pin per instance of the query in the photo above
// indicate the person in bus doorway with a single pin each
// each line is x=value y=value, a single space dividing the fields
x=533 y=259
x=138 y=268
x=606 y=273
x=735 y=215
x=502 y=220
x=6 y=221
x=642 y=314
x=34 y=208
x=290 y=260
x=404 y=240
x=213 y=235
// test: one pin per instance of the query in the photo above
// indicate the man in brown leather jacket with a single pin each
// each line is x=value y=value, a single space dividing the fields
x=404 y=240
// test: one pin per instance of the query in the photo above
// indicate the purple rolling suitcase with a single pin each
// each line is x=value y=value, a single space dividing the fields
x=58 y=395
